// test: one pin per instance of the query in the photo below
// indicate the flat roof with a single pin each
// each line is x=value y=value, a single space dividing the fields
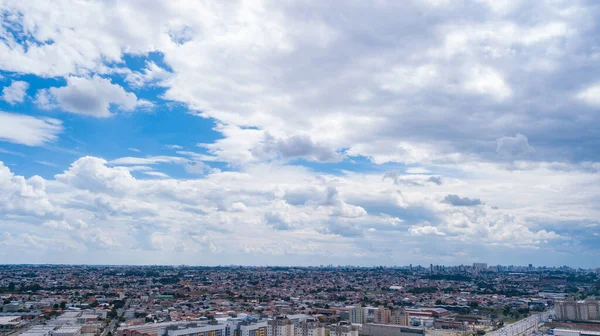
x=583 y=332
x=9 y=319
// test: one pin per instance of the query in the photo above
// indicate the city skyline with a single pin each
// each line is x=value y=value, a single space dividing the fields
x=442 y=268
x=300 y=132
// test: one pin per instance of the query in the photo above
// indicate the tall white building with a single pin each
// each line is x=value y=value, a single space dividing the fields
x=357 y=314
x=280 y=326
x=249 y=328
x=311 y=327
x=343 y=329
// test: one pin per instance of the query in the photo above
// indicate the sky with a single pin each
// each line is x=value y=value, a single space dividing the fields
x=300 y=132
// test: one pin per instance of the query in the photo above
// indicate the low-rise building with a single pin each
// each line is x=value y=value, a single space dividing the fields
x=371 y=329
x=67 y=330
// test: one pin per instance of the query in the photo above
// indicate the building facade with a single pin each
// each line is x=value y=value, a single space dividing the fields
x=343 y=329
x=280 y=326
x=570 y=310
x=357 y=314
x=310 y=328
x=400 y=317
x=382 y=315
x=370 y=329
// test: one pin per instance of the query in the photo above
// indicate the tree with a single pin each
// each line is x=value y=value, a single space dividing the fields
x=464 y=311
x=112 y=313
x=63 y=305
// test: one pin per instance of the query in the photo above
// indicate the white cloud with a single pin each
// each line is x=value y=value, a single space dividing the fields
x=24 y=197
x=93 y=174
x=425 y=230
x=15 y=93
x=263 y=203
x=28 y=130
x=149 y=160
x=590 y=95
x=156 y=174
x=513 y=147
x=151 y=75
x=453 y=96
x=89 y=96
x=379 y=86
x=487 y=81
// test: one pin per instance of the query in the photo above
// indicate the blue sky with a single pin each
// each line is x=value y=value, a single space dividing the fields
x=262 y=132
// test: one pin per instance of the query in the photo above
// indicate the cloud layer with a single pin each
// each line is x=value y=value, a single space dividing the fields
x=354 y=132
x=93 y=206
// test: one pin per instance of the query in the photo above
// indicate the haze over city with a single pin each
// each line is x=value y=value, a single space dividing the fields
x=300 y=133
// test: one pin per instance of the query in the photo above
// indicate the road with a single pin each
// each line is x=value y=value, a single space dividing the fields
x=110 y=327
x=524 y=327
x=113 y=323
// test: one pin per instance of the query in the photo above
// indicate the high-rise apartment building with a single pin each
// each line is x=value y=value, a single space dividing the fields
x=249 y=328
x=309 y=327
x=400 y=317
x=280 y=326
x=343 y=329
x=382 y=315
x=357 y=314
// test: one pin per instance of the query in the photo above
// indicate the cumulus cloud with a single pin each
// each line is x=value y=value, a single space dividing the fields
x=456 y=200
x=278 y=220
x=28 y=130
x=340 y=207
x=513 y=147
x=342 y=228
x=15 y=92
x=487 y=81
x=149 y=76
x=298 y=146
x=108 y=208
x=454 y=96
x=590 y=95
x=412 y=179
x=436 y=94
x=279 y=217
x=25 y=197
x=89 y=96
x=92 y=174
x=425 y=230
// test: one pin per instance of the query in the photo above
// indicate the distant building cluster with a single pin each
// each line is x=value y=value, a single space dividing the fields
x=70 y=300
x=291 y=325
x=380 y=315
